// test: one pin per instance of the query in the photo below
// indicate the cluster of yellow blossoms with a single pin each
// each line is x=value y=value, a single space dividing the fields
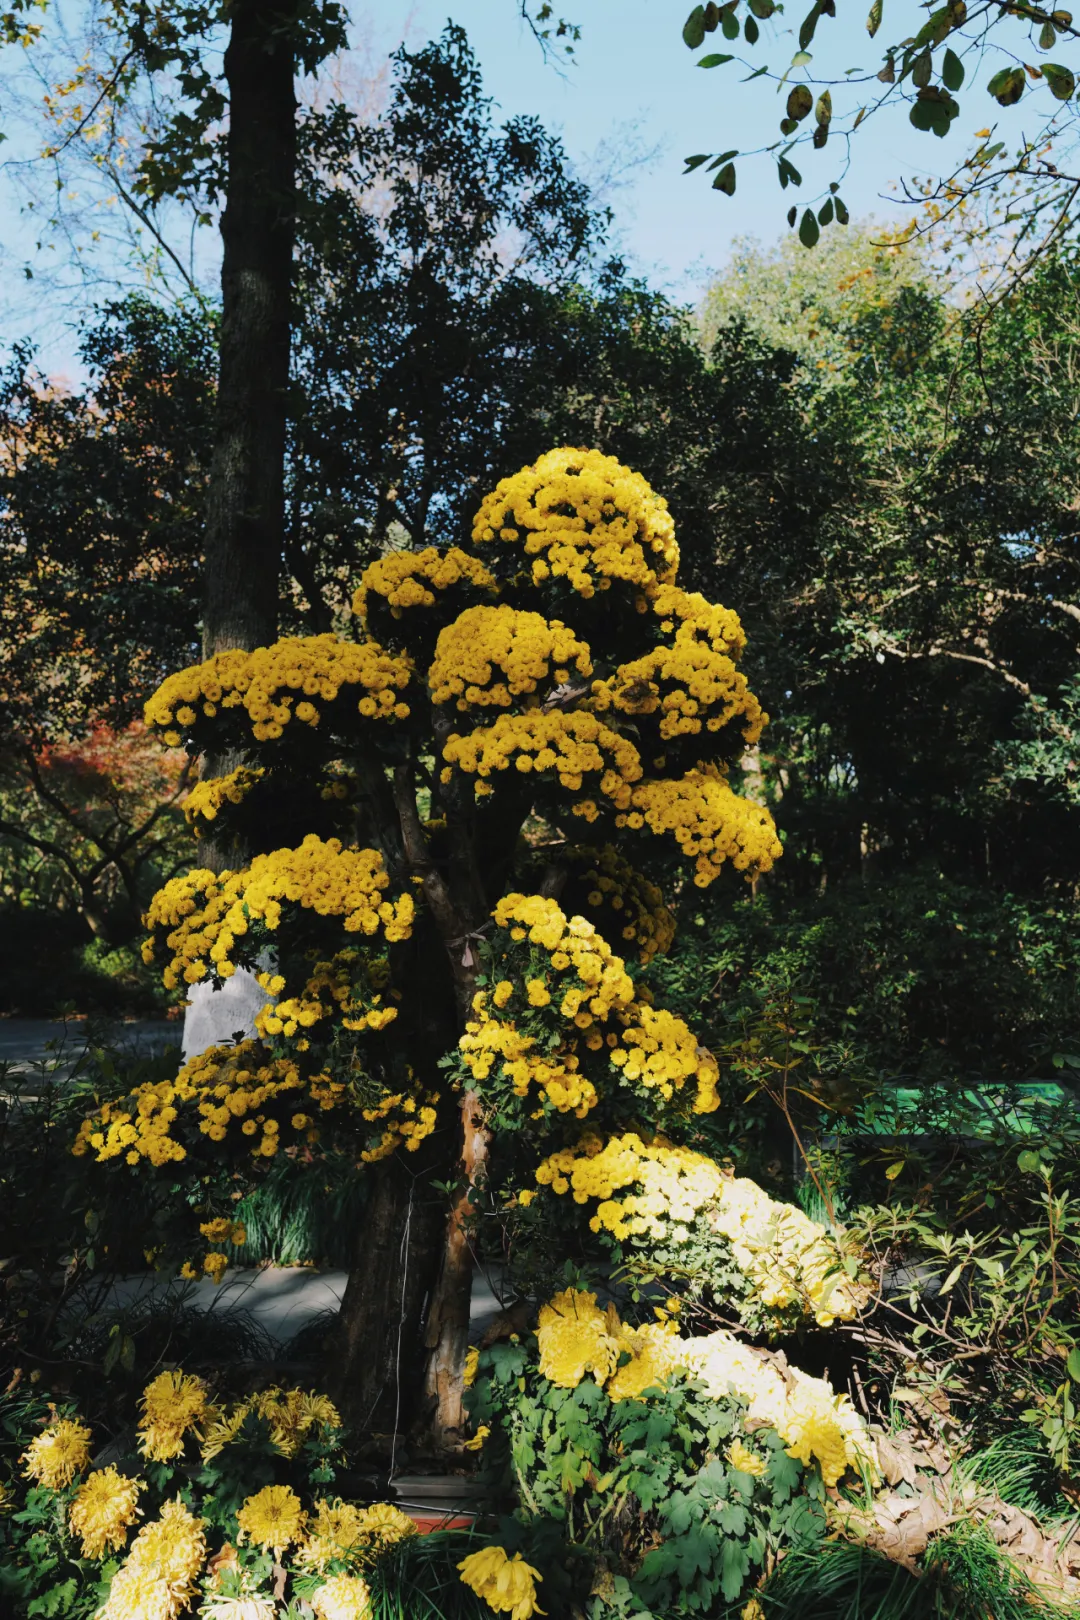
x=583 y=517
x=320 y=876
x=575 y=1337
x=556 y=1076
x=528 y=649
x=572 y=745
x=409 y=579
x=710 y=823
x=278 y=683
x=340 y=1530
x=406 y=1117
x=158 y=1577
x=507 y=1585
x=691 y=688
x=331 y=990
x=206 y=798
x=614 y=885
x=670 y=1194
x=693 y=618
x=587 y=985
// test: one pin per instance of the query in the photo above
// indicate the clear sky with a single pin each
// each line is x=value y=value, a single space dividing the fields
x=634 y=90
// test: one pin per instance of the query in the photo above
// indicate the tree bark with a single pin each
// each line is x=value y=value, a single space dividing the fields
x=379 y=1347
x=245 y=523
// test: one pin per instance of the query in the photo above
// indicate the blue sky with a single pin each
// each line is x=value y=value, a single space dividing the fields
x=634 y=87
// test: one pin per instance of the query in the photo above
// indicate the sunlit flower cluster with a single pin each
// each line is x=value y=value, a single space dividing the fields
x=693 y=618
x=410 y=579
x=157 y=1579
x=816 y=1425
x=173 y=1404
x=58 y=1453
x=661 y=1052
x=689 y=687
x=291 y=1416
x=342 y=987
x=278 y=684
x=613 y=886
x=556 y=1076
x=205 y=800
x=507 y=1585
x=657 y=1192
x=340 y=1531
x=710 y=823
x=584 y=518
x=526 y=649
x=576 y=952
x=572 y=745
x=202 y=914
x=575 y=1338
x=106 y=1505
x=342 y=1597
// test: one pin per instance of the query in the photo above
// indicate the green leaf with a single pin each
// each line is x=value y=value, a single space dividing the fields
x=1072 y=1364
x=792 y=215
x=1028 y=1162
x=695 y=162
x=1008 y=86
x=762 y=9
x=725 y=180
x=952 y=71
x=734 y=1563
x=823 y=110
x=873 y=21
x=694 y=28
x=921 y=69
x=729 y=25
x=1061 y=81
x=801 y=59
x=825 y=212
x=842 y=215
x=789 y=174
x=716 y=59
x=808 y=26
x=752 y=31
x=808 y=236
x=1047 y=36
x=895 y=1169
x=799 y=102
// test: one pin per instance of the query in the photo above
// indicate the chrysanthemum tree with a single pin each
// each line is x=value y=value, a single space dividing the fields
x=472 y=815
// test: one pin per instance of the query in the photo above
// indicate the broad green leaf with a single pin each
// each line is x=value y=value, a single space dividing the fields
x=895 y=1169
x=694 y=28
x=716 y=59
x=1072 y=1364
x=921 y=69
x=825 y=212
x=842 y=215
x=1047 y=36
x=823 y=110
x=762 y=9
x=952 y=71
x=799 y=102
x=729 y=25
x=1008 y=86
x=808 y=235
x=752 y=31
x=695 y=162
x=1062 y=82
x=808 y=26
x=725 y=180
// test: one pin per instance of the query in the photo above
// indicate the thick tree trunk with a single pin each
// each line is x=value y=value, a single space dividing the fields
x=380 y=1340
x=446 y=1338
x=245 y=507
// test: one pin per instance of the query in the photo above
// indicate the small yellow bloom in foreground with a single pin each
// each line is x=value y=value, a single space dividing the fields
x=272 y=1518
x=472 y=1362
x=343 y=1597
x=507 y=1585
x=747 y=1461
x=478 y=1438
x=56 y=1455
x=104 y=1506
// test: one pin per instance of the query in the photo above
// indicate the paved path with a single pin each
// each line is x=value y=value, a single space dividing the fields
x=27 y=1042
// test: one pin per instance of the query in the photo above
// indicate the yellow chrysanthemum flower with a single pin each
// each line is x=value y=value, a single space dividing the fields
x=105 y=1506
x=342 y=1597
x=58 y=1453
x=273 y=1519
x=507 y=1585
x=173 y=1403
